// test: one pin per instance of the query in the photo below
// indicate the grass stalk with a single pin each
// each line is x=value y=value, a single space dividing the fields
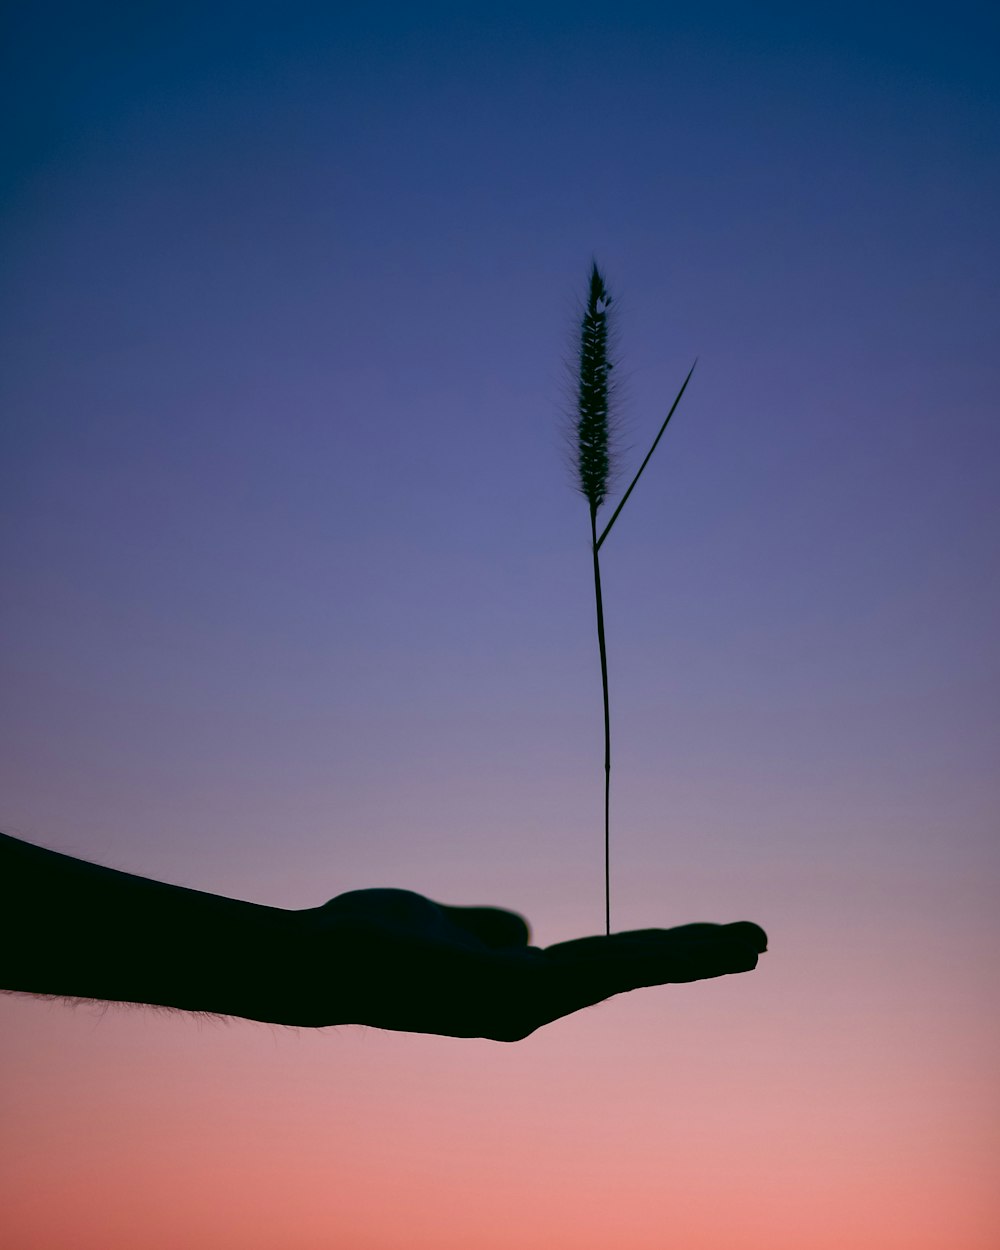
x=594 y=464
x=607 y=721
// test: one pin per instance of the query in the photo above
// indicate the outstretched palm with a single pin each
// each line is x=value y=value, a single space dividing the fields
x=397 y=960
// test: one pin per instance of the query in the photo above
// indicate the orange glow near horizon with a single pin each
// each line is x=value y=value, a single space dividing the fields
x=698 y=1116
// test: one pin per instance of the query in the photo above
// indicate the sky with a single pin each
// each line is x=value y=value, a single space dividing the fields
x=297 y=599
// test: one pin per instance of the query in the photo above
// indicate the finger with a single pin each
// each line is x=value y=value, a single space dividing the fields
x=589 y=970
x=742 y=930
x=493 y=926
x=664 y=942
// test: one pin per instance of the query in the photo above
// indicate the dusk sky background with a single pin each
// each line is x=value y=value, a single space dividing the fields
x=297 y=599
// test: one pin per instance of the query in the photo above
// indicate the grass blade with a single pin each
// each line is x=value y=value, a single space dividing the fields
x=624 y=498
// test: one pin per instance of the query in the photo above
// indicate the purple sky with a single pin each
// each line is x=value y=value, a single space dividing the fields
x=296 y=587
x=291 y=553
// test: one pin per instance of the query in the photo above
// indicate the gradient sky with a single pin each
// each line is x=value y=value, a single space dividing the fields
x=297 y=599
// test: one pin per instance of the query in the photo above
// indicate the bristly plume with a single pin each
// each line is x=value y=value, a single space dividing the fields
x=592 y=396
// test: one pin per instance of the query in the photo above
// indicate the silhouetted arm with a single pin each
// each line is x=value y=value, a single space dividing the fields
x=77 y=930
x=387 y=958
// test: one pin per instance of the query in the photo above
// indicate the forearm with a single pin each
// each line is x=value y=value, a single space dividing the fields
x=74 y=929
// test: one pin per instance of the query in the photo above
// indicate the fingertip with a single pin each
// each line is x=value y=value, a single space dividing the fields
x=752 y=934
x=743 y=960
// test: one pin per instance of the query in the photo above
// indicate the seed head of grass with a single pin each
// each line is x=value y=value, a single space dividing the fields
x=593 y=395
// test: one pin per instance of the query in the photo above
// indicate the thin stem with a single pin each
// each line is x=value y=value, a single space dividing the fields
x=607 y=723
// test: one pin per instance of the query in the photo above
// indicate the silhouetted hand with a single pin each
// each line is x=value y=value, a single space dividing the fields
x=387 y=958
x=396 y=960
